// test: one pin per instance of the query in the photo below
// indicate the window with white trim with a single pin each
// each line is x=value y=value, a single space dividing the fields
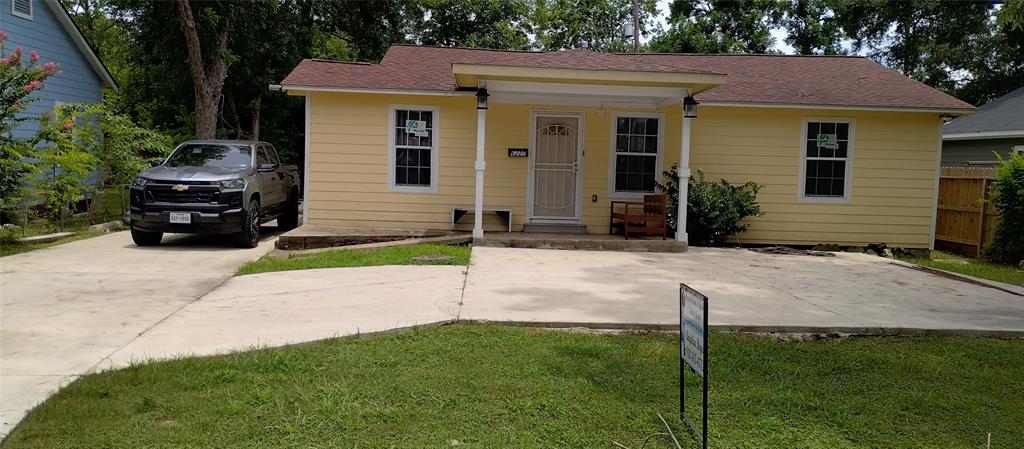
x=827 y=152
x=636 y=153
x=22 y=8
x=413 y=158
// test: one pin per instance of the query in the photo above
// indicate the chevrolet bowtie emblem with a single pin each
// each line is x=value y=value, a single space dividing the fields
x=180 y=188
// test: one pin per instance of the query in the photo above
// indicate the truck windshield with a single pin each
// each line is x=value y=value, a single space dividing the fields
x=211 y=155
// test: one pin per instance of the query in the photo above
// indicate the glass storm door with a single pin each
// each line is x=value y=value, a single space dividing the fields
x=556 y=169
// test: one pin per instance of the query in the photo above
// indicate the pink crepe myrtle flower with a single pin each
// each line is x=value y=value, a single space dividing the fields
x=50 y=67
x=68 y=126
x=35 y=56
x=3 y=36
x=33 y=85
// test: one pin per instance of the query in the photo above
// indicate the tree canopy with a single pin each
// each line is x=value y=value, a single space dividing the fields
x=970 y=49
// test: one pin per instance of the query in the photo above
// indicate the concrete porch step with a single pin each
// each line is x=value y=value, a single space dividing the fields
x=554 y=228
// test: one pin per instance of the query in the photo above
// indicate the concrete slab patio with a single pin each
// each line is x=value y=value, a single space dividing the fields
x=746 y=289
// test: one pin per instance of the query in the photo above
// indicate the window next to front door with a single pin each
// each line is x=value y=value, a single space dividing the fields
x=637 y=144
x=413 y=155
x=826 y=160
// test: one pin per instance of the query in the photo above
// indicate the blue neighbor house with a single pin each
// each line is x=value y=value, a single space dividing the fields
x=44 y=26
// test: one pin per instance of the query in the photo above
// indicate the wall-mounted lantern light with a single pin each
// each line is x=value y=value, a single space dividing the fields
x=690 y=107
x=481 y=98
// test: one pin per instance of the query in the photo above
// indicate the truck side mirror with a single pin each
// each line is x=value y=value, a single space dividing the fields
x=266 y=167
x=154 y=162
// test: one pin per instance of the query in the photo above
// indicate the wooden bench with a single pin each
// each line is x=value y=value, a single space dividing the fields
x=504 y=214
x=648 y=217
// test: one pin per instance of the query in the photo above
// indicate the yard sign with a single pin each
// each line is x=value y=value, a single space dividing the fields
x=828 y=141
x=416 y=127
x=693 y=353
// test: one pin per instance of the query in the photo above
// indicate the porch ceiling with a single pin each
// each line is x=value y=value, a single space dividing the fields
x=583 y=87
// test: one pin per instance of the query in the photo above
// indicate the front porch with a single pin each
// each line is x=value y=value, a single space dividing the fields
x=565 y=148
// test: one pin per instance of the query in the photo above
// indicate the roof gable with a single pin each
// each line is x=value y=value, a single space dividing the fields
x=840 y=81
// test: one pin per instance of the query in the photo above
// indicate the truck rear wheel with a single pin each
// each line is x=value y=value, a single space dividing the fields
x=250 y=235
x=289 y=218
x=144 y=238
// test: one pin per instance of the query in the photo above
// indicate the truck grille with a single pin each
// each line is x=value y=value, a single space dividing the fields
x=194 y=194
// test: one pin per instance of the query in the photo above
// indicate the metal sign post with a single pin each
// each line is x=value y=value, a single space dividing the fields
x=693 y=352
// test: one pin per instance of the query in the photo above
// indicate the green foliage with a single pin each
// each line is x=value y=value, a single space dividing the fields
x=1008 y=198
x=719 y=26
x=126 y=148
x=392 y=255
x=498 y=24
x=714 y=209
x=565 y=24
x=66 y=156
x=812 y=27
x=21 y=74
x=488 y=386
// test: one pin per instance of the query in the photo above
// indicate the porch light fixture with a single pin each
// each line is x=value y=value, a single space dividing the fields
x=481 y=98
x=690 y=107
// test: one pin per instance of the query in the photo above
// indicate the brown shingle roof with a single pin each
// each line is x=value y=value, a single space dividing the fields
x=810 y=80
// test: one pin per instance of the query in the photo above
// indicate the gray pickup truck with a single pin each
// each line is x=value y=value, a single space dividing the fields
x=214 y=187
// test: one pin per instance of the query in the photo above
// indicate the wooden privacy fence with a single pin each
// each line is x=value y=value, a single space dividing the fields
x=965 y=221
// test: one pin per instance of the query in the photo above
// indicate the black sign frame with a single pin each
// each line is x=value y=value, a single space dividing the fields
x=518 y=152
x=701 y=435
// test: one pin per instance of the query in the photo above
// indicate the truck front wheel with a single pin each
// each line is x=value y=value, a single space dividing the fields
x=143 y=238
x=250 y=235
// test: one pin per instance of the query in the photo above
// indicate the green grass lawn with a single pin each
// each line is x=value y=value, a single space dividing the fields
x=7 y=249
x=972 y=267
x=487 y=386
x=392 y=255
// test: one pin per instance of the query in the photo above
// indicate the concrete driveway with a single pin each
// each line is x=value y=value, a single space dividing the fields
x=745 y=288
x=65 y=309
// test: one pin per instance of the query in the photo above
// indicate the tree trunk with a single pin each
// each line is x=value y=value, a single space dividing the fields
x=207 y=78
x=257 y=106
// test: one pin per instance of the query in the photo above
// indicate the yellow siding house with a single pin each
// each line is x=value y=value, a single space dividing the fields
x=846 y=150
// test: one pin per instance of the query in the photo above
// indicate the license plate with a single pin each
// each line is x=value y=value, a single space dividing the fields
x=181 y=217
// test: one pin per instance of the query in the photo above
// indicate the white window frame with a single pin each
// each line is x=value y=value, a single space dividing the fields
x=851 y=145
x=1017 y=149
x=31 y=10
x=659 y=158
x=434 y=144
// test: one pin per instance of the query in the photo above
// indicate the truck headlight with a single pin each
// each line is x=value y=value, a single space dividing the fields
x=233 y=184
x=139 y=182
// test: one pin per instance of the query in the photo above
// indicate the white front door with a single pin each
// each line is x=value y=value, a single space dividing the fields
x=555 y=167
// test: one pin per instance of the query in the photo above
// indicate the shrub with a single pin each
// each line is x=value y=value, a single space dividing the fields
x=714 y=209
x=1008 y=198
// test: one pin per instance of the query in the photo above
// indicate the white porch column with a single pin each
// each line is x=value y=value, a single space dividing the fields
x=684 y=179
x=478 y=205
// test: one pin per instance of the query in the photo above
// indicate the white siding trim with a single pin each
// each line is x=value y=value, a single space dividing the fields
x=434 y=145
x=305 y=162
x=612 y=193
x=935 y=191
x=848 y=187
x=752 y=104
x=983 y=135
